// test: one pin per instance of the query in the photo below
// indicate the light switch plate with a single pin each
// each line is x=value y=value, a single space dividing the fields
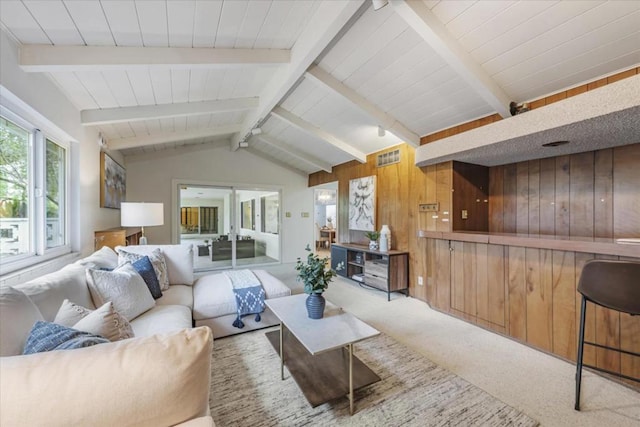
x=304 y=214
x=287 y=214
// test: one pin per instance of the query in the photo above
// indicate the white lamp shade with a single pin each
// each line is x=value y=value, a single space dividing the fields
x=134 y=214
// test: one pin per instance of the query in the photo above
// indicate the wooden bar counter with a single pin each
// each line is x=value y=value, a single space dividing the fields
x=524 y=287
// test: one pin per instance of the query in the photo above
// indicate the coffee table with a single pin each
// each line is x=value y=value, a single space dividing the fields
x=319 y=352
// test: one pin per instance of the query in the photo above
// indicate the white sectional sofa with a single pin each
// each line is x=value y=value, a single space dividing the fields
x=134 y=381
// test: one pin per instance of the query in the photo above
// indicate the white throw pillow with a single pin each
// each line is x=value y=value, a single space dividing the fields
x=157 y=261
x=18 y=314
x=105 y=257
x=124 y=287
x=179 y=260
x=70 y=313
x=104 y=321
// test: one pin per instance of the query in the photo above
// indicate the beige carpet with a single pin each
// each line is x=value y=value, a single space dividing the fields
x=246 y=390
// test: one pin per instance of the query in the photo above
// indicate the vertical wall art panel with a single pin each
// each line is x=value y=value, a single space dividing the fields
x=112 y=182
x=362 y=204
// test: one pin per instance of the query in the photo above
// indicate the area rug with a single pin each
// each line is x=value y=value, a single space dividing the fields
x=246 y=390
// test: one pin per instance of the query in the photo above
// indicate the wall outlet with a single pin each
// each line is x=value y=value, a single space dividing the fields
x=465 y=214
x=420 y=281
x=287 y=214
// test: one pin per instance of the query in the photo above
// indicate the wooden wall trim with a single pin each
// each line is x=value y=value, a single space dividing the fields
x=538 y=103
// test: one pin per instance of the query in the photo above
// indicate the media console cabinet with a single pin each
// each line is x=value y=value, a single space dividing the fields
x=385 y=271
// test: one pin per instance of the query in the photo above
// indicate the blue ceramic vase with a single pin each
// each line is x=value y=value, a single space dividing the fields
x=315 y=306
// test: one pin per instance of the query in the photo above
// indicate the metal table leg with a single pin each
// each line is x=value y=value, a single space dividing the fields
x=281 y=353
x=351 y=379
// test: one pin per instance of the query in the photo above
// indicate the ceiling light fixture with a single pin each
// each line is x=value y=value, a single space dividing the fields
x=243 y=144
x=256 y=131
x=379 y=4
x=381 y=131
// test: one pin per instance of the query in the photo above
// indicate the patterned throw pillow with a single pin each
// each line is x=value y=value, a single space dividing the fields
x=157 y=260
x=47 y=336
x=105 y=321
x=144 y=267
x=124 y=287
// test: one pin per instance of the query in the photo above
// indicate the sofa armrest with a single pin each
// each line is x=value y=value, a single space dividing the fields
x=159 y=380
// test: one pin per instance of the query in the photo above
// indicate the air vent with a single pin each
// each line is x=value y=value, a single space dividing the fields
x=389 y=158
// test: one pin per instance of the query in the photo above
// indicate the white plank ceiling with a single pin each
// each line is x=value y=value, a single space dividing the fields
x=414 y=68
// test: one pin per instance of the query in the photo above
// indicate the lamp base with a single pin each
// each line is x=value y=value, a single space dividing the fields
x=143 y=240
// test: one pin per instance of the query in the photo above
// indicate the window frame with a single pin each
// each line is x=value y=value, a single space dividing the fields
x=36 y=177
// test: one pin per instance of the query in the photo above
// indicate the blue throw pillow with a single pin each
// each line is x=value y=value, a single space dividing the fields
x=144 y=267
x=47 y=336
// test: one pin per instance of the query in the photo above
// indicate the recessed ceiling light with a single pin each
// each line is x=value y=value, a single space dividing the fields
x=555 y=143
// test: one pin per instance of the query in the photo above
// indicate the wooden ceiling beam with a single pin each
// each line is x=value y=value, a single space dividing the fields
x=149 y=112
x=429 y=27
x=313 y=130
x=124 y=143
x=46 y=58
x=328 y=22
x=299 y=154
x=388 y=122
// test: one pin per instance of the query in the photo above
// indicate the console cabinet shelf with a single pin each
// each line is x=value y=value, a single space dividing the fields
x=385 y=271
x=119 y=236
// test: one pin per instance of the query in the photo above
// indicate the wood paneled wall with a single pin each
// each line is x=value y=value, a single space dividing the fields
x=592 y=194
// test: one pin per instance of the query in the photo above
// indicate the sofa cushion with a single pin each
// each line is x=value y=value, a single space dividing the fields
x=124 y=287
x=105 y=257
x=179 y=259
x=145 y=269
x=49 y=291
x=177 y=295
x=162 y=319
x=213 y=295
x=48 y=336
x=157 y=261
x=18 y=314
x=104 y=321
x=152 y=381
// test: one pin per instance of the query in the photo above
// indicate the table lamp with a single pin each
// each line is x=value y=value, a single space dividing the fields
x=140 y=214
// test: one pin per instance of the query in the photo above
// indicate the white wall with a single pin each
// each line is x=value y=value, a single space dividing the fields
x=47 y=102
x=149 y=178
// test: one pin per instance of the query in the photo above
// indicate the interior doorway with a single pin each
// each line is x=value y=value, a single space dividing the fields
x=325 y=216
x=229 y=227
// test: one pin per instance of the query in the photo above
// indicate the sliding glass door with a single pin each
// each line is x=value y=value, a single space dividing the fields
x=229 y=226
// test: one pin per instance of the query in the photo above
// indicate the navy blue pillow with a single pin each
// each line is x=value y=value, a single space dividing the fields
x=47 y=336
x=144 y=267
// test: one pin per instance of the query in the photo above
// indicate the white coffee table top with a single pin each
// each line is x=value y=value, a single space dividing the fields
x=336 y=329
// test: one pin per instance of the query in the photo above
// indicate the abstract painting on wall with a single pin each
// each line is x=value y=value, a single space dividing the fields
x=362 y=203
x=113 y=183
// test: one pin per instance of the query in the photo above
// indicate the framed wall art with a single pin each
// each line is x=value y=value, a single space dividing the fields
x=113 y=184
x=362 y=204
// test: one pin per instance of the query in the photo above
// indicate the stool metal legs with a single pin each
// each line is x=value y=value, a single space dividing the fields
x=583 y=312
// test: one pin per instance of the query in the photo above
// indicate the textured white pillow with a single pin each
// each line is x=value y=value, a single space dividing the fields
x=105 y=257
x=104 y=321
x=18 y=314
x=157 y=260
x=124 y=287
x=179 y=260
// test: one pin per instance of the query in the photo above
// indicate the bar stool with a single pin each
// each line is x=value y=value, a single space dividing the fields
x=614 y=285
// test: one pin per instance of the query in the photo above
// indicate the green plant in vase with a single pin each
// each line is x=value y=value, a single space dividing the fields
x=315 y=275
x=373 y=237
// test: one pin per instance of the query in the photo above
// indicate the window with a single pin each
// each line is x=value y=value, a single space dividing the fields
x=33 y=194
